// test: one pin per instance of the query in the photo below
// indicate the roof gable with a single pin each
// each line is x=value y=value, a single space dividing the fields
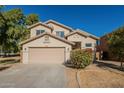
x=83 y=33
x=75 y=32
x=88 y=34
x=46 y=33
x=59 y=24
x=37 y=24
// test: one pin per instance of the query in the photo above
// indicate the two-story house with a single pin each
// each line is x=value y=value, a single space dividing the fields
x=51 y=42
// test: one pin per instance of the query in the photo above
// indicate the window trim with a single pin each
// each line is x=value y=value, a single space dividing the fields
x=37 y=32
x=88 y=44
x=60 y=34
x=40 y=32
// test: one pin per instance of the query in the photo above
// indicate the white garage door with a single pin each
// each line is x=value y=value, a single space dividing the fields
x=46 y=55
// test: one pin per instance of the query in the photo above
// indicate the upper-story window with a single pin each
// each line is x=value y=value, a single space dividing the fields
x=88 y=44
x=60 y=33
x=38 y=32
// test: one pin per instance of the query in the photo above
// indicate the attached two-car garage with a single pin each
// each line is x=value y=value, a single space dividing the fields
x=46 y=55
x=46 y=48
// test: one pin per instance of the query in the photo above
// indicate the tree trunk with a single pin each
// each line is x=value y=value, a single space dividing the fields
x=1 y=51
x=121 y=65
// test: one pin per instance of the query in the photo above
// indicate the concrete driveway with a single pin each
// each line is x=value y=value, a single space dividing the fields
x=34 y=76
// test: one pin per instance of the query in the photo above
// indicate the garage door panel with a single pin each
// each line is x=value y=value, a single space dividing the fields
x=46 y=55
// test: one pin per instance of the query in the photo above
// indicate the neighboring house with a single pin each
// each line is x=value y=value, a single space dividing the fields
x=51 y=42
x=103 y=49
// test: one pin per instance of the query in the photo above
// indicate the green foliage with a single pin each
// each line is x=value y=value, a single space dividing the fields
x=116 y=43
x=1 y=7
x=81 y=58
x=32 y=19
x=13 y=29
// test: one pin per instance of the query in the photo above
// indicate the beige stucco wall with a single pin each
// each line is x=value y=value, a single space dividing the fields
x=40 y=43
x=58 y=28
x=82 y=39
x=90 y=40
x=39 y=27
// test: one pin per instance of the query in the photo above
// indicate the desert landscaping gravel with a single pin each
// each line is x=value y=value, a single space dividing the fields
x=95 y=77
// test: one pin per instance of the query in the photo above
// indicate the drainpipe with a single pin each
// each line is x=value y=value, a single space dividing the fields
x=94 y=53
x=1 y=51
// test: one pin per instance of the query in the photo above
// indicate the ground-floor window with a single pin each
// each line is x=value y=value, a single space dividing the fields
x=77 y=45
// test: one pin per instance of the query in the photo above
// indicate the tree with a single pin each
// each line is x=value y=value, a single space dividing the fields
x=116 y=44
x=13 y=29
x=32 y=19
x=3 y=26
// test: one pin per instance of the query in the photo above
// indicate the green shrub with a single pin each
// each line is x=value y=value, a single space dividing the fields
x=81 y=58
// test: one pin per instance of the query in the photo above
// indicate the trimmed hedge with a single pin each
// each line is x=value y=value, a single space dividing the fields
x=81 y=58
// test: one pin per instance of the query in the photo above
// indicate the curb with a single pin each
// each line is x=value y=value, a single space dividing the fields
x=114 y=71
x=78 y=78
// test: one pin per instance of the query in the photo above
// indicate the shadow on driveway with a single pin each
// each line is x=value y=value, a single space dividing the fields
x=113 y=65
x=4 y=68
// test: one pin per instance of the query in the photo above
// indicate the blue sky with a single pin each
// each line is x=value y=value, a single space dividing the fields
x=97 y=20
